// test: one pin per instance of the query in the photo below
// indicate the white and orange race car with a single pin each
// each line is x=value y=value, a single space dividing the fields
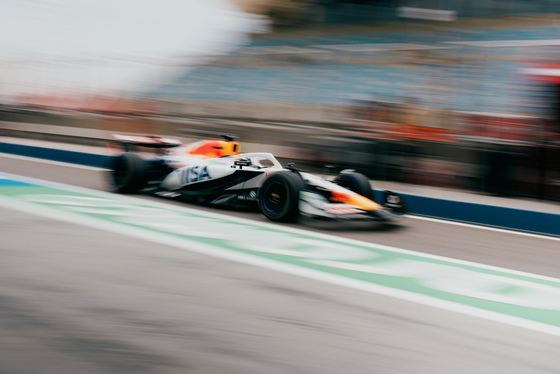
x=215 y=172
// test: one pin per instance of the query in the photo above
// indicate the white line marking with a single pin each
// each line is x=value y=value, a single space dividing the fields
x=50 y=162
x=282 y=267
x=482 y=227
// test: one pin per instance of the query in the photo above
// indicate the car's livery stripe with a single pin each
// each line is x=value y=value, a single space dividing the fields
x=211 y=186
x=517 y=298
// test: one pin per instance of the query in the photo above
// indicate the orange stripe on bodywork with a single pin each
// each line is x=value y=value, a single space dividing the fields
x=212 y=148
x=354 y=199
x=425 y=133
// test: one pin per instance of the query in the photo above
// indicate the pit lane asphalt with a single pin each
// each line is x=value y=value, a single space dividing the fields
x=78 y=300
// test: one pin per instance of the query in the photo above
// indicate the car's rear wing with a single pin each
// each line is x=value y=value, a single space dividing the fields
x=128 y=142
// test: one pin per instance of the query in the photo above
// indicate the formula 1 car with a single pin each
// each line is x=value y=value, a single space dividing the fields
x=215 y=172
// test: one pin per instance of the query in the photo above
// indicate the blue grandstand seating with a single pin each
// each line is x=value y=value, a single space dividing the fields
x=489 y=82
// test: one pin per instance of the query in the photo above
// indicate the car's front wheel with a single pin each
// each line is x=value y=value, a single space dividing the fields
x=279 y=196
x=356 y=182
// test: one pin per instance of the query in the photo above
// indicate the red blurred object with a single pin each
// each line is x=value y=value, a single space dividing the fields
x=95 y=104
x=546 y=73
x=499 y=126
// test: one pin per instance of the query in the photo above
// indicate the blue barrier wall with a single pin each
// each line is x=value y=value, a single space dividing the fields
x=55 y=154
x=517 y=219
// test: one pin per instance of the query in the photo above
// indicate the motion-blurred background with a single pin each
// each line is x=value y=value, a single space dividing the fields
x=452 y=93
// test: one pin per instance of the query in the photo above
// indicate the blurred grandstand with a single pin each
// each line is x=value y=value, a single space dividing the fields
x=424 y=91
x=438 y=103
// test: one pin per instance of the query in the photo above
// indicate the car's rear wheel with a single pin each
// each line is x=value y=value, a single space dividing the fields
x=127 y=173
x=279 y=196
x=356 y=182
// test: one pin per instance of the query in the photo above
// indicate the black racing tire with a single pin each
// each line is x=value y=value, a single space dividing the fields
x=278 y=197
x=127 y=173
x=356 y=182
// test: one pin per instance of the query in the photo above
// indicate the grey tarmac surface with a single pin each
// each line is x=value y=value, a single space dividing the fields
x=78 y=300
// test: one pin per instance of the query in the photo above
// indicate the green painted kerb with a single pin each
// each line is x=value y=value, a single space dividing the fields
x=525 y=296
